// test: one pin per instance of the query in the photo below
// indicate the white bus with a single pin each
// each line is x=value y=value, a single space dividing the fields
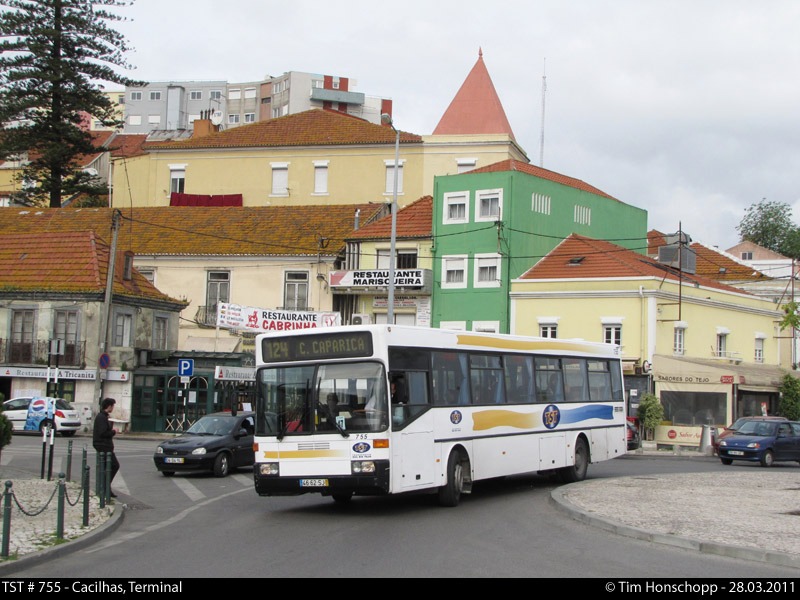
x=381 y=409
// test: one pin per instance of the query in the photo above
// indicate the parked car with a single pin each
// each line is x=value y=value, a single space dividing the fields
x=633 y=436
x=217 y=443
x=736 y=425
x=32 y=413
x=762 y=441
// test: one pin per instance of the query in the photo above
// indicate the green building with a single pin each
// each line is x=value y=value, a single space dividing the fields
x=492 y=224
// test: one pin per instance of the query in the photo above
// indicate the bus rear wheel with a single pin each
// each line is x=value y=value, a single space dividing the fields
x=450 y=492
x=576 y=472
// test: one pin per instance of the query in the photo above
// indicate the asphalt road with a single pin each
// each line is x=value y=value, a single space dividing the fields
x=199 y=526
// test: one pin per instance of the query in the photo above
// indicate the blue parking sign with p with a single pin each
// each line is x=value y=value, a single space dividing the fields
x=185 y=367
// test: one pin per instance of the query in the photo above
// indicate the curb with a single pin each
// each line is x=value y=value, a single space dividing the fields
x=36 y=558
x=781 y=559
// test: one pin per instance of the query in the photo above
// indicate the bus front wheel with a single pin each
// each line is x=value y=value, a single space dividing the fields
x=450 y=492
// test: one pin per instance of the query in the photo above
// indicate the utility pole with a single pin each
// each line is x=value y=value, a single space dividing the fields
x=103 y=333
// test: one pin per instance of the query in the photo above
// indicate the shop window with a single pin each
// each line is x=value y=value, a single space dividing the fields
x=694 y=408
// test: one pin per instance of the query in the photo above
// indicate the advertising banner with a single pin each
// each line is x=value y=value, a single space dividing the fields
x=38 y=410
x=250 y=318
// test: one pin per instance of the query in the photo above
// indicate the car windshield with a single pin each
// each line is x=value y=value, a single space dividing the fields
x=63 y=404
x=340 y=398
x=209 y=425
x=763 y=428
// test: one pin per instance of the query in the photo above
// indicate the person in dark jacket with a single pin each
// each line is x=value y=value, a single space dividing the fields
x=103 y=435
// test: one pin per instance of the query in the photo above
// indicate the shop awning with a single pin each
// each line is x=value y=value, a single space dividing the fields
x=673 y=370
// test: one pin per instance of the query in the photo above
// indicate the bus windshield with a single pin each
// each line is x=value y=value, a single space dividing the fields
x=339 y=398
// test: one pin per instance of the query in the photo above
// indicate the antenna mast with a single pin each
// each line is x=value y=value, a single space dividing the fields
x=544 y=90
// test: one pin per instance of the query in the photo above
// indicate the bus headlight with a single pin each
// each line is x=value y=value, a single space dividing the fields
x=363 y=466
x=268 y=469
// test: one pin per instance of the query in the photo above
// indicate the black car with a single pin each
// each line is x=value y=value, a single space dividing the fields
x=217 y=442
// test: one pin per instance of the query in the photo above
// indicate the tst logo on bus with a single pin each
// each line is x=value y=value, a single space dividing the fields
x=551 y=416
x=456 y=417
x=361 y=448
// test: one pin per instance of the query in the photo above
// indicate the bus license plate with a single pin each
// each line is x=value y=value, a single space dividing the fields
x=171 y=460
x=313 y=483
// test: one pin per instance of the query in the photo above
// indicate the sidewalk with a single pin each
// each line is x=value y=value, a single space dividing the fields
x=33 y=538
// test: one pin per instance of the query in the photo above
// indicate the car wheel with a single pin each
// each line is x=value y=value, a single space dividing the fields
x=767 y=459
x=67 y=433
x=726 y=461
x=222 y=464
x=45 y=424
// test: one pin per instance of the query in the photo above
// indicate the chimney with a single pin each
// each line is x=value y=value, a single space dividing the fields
x=203 y=125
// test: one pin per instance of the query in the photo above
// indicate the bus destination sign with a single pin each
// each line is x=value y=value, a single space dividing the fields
x=315 y=347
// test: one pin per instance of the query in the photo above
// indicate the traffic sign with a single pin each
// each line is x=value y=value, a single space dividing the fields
x=186 y=367
x=104 y=361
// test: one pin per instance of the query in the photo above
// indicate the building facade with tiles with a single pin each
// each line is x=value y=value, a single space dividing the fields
x=274 y=259
x=491 y=224
x=709 y=351
x=52 y=287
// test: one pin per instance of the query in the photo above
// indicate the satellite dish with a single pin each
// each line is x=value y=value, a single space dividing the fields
x=216 y=117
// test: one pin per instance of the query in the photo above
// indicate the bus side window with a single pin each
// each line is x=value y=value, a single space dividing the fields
x=450 y=378
x=599 y=381
x=549 y=383
x=518 y=372
x=575 y=389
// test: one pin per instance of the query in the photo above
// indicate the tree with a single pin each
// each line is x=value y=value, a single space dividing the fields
x=53 y=55
x=789 y=406
x=769 y=224
x=650 y=412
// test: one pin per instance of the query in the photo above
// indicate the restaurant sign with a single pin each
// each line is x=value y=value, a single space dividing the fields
x=234 y=316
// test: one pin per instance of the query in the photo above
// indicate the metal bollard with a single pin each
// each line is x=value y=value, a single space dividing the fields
x=107 y=478
x=62 y=491
x=85 y=485
x=100 y=479
x=50 y=461
x=6 y=520
x=69 y=460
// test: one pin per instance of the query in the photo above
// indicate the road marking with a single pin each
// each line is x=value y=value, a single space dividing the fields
x=5 y=459
x=246 y=480
x=180 y=516
x=194 y=494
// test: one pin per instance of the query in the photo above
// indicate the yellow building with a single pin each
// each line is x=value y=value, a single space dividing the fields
x=313 y=157
x=709 y=351
x=363 y=283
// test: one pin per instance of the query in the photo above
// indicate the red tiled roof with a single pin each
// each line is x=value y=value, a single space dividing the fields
x=721 y=266
x=126 y=145
x=310 y=128
x=215 y=231
x=413 y=221
x=515 y=165
x=710 y=262
x=65 y=262
x=476 y=107
x=582 y=257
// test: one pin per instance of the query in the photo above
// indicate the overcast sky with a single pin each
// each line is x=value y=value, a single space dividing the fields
x=689 y=109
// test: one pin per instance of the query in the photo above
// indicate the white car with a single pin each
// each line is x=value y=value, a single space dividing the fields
x=67 y=420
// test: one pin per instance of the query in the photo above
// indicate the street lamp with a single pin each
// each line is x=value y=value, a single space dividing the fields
x=386 y=119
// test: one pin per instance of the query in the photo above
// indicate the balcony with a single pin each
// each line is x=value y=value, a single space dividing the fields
x=37 y=353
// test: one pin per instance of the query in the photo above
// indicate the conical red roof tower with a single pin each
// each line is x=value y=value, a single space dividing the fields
x=476 y=109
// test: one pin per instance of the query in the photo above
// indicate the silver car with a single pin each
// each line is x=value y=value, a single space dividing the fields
x=35 y=413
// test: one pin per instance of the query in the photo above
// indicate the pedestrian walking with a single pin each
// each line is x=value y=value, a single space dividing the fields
x=103 y=435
